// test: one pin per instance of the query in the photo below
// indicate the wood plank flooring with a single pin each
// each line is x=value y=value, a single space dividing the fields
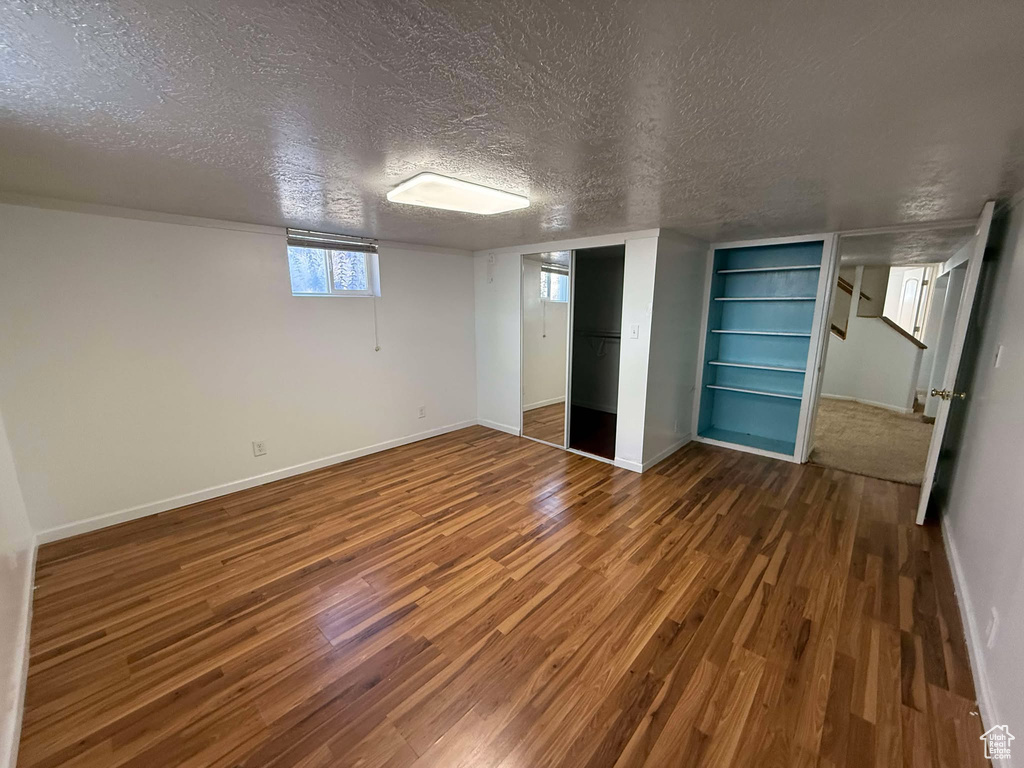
x=481 y=600
x=546 y=423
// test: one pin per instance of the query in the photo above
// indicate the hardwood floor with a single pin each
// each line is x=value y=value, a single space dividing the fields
x=481 y=600
x=546 y=423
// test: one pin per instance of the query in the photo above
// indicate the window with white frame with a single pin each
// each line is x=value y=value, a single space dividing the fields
x=322 y=264
x=554 y=283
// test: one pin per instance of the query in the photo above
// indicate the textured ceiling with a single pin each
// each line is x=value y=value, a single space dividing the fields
x=903 y=248
x=561 y=258
x=721 y=119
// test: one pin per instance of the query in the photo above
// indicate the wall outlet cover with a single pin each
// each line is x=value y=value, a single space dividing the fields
x=992 y=630
x=259 y=448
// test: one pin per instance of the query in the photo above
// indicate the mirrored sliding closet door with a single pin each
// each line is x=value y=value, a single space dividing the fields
x=545 y=334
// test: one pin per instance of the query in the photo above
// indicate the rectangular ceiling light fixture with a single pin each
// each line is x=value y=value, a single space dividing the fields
x=435 y=191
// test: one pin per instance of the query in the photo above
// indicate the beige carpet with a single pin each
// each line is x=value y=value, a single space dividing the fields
x=870 y=441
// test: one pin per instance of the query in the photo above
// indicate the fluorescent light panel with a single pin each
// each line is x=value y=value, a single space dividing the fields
x=435 y=191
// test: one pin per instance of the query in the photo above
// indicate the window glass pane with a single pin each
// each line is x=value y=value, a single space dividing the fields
x=554 y=286
x=349 y=270
x=559 y=287
x=308 y=269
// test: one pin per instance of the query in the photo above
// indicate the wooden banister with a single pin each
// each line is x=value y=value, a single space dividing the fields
x=902 y=332
x=846 y=286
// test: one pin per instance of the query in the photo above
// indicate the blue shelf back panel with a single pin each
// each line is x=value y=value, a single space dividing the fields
x=788 y=255
x=799 y=283
x=766 y=315
x=783 y=382
x=769 y=417
x=778 y=351
x=754 y=419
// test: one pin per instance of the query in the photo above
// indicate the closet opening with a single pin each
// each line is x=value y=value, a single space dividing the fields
x=545 y=339
x=596 y=338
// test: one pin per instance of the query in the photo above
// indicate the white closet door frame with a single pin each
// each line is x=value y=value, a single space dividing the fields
x=815 y=361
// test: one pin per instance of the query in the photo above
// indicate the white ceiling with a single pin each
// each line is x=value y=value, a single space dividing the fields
x=561 y=258
x=720 y=119
x=903 y=248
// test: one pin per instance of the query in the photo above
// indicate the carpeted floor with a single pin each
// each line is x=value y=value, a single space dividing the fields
x=870 y=441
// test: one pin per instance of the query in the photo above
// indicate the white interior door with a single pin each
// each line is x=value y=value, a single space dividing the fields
x=955 y=350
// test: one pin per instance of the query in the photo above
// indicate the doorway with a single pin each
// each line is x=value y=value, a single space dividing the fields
x=598 y=275
x=896 y=302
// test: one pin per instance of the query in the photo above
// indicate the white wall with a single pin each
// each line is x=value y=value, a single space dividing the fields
x=141 y=358
x=17 y=557
x=637 y=306
x=874 y=365
x=496 y=288
x=873 y=283
x=984 y=517
x=675 y=339
x=545 y=328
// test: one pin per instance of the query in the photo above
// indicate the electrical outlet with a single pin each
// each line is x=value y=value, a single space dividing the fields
x=423 y=412
x=259 y=448
x=992 y=630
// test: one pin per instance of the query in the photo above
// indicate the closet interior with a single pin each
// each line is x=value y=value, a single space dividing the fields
x=596 y=338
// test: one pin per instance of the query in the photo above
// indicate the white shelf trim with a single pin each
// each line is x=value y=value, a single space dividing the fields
x=763 y=333
x=764 y=298
x=768 y=269
x=758 y=367
x=755 y=392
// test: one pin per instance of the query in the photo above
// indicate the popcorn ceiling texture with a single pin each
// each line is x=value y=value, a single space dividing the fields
x=903 y=248
x=722 y=119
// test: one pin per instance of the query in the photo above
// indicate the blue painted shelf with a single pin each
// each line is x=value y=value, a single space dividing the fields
x=760 y=315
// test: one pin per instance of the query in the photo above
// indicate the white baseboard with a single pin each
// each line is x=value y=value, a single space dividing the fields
x=636 y=466
x=887 y=406
x=668 y=451
x=975 y=644
x=542 y=403
x=632 y=466
x=11 y=735
x=113 y=518
x=499 y=426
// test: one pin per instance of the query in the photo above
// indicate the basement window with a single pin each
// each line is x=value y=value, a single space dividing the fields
x=554 y=284
x=322 y=264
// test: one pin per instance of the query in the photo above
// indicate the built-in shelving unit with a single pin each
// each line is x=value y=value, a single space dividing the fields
x=761 y=311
